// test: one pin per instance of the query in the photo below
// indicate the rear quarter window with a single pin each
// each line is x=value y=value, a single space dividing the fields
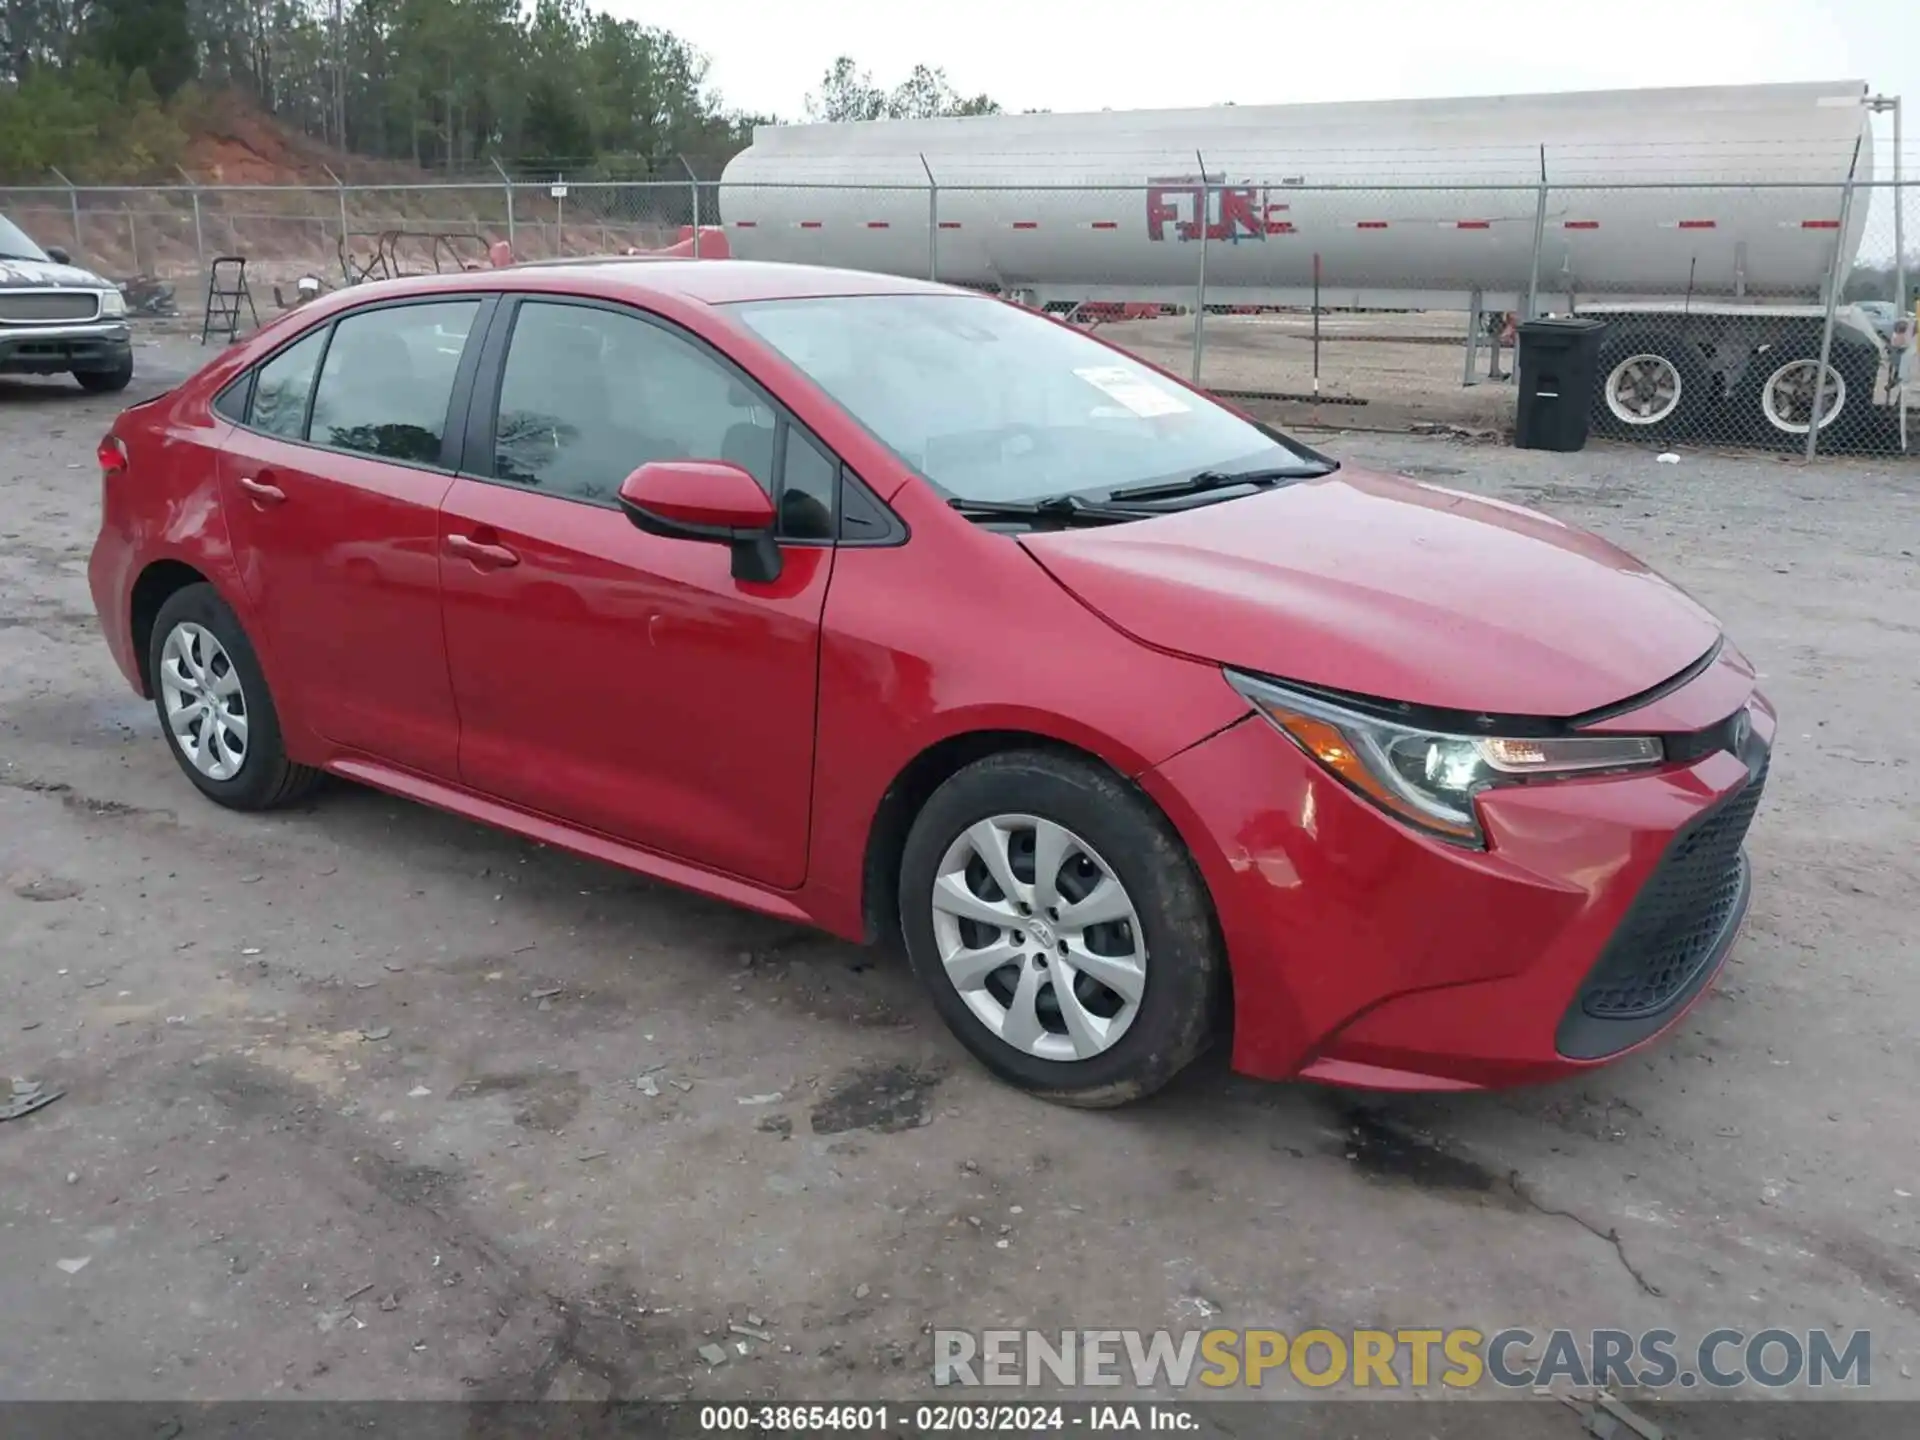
x=231 y=403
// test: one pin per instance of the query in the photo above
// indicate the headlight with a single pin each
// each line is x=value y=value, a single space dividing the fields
x=1428 y=778
x=112 y=303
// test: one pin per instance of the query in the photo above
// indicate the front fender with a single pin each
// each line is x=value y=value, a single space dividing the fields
x=1028 y=659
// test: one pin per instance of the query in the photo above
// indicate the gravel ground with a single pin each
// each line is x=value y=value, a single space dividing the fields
x=362 y=1100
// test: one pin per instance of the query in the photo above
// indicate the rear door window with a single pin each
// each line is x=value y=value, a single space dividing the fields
x=388 y=379
x=285 y=384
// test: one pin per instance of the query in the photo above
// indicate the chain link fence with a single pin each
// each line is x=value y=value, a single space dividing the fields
x=1734 y=313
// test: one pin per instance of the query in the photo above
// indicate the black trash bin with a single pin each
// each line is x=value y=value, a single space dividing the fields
x=1557 y=369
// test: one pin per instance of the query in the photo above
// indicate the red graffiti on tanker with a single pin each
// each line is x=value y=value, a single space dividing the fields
x=1229 y=212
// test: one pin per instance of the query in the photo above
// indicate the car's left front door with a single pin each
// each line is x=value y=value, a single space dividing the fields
x=624 y=681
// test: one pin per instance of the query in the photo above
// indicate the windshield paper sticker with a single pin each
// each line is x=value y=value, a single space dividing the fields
x=1139 y=395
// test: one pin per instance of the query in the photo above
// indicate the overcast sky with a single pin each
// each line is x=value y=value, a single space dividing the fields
x=1124 y=54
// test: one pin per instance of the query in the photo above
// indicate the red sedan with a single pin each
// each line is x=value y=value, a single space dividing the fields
x=906 y=613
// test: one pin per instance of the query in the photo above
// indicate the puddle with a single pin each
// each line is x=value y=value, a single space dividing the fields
x=883 y=1098
x=1380 y=1151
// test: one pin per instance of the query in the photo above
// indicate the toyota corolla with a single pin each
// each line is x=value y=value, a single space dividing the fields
x=921 y=618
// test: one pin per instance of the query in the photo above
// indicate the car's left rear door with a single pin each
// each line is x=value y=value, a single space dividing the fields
x=331 y=489
x=624 y=681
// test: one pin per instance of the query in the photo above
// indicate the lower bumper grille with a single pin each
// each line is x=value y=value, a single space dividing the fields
x=1677 y=926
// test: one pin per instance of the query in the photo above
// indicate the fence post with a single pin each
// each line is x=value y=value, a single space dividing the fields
x=506 y=184
x=693 y=181
x=1539 y=240
x=199 y=239
x=1475 y=310
x=1899 y=224
x=73 y=198
x=340 y=193
x=1200 y=285
x=1834 y=282
x=933 y=221
x=133 y=237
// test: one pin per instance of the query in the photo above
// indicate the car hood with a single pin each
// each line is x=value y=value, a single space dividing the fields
x=1393 y=589
x=40 y=274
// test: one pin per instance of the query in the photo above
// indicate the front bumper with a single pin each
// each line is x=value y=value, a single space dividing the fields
x=1365 y=954
x=60 y=349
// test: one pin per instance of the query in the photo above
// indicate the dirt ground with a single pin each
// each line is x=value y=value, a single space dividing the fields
x=362 y=1100
x=1376 y=371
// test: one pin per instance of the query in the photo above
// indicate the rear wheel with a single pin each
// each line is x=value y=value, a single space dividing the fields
x=1061 y=928
x=1651 y=386
x=1780 y=388
x=215 y=710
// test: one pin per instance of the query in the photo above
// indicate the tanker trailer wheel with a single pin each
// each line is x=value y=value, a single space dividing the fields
x=1651 y=386
x=1777 y=397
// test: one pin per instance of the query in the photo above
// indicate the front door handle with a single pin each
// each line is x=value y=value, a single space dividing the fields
x=261 y=493
x=481 y=556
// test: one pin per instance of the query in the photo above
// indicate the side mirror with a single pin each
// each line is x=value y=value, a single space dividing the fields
x=59 y=255
x=710 y=500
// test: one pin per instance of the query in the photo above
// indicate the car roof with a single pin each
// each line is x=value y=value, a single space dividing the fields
x=713 y=282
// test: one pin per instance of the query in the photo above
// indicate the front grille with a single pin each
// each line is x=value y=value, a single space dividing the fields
x=1729 y=734
x=47 y=307
x=1680 y=914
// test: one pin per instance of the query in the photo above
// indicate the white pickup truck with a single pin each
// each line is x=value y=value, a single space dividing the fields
x=58 y=319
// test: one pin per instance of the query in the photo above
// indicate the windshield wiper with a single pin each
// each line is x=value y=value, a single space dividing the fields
x=1063 y=509
x=31 y=259
x=1220 y=480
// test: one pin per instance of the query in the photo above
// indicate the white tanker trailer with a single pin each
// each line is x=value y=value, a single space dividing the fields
x=1648 y=216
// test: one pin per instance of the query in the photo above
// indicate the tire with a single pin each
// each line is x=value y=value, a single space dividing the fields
x=199 y=648
x=1648 y=353
x=1850 y=378
x=1118 y=1051
x=106 y=382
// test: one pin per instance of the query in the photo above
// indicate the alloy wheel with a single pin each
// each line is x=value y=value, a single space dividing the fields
x=1787 y=399
x=1643 y=389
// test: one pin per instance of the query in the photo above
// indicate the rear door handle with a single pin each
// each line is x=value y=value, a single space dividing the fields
x=482 y=557
x=261 y=493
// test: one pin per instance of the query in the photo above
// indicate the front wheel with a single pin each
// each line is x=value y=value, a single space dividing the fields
x=215 y=710
x=106 y=382
x=1061 y=928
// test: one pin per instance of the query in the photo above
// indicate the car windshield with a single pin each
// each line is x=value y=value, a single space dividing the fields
x=994 y=403
x=14 y=244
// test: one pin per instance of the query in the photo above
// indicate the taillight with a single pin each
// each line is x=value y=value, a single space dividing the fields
x=112 y=455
